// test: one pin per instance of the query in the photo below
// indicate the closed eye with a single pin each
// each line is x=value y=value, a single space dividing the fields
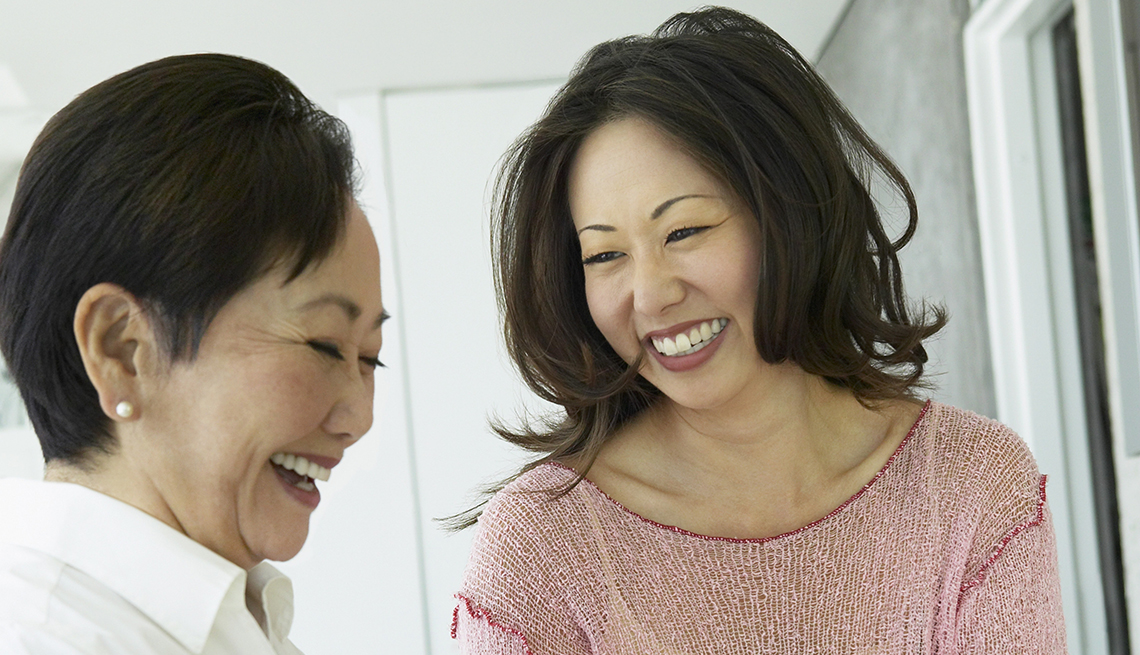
x=372 y=362
x=684 y=233
x=330 y=350
x=601 y=257
x=327 y=349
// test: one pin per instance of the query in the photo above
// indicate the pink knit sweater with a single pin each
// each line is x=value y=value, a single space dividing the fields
x=948 y=549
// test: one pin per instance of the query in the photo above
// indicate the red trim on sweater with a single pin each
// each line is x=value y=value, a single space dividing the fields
x=852 y=499
x=1037 y=518
x=482 y=614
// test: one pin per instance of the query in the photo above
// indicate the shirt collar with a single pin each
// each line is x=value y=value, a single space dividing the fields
x=269 y=596
x=177 y=582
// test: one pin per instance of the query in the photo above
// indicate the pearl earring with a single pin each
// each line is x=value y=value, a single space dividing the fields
x=124 y=409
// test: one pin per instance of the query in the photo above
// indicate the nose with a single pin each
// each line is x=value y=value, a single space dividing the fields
x=351 y=415
x=656 y=285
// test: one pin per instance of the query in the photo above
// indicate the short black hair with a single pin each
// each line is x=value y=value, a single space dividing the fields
x=182 y=180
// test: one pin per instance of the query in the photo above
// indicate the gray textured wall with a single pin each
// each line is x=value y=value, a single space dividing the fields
x=898 y=65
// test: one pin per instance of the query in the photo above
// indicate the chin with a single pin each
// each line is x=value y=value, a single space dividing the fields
x=289 y=549
x=278 y=544
x=694 y=399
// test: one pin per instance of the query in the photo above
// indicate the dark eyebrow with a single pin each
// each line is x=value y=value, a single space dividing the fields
x=599 y=227
x=669 y=203
x=351 y=309
x=661 y=209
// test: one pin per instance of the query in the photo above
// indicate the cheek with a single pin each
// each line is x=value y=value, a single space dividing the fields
x=605 y=308
x=304 y=393
x=742 y=277
x=745 y=281
x=611 y=309
x=287 y=399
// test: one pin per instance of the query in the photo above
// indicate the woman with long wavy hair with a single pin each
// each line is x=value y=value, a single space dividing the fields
x=690 y=262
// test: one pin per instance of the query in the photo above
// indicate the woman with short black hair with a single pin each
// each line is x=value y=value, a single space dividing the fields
x=190 y=306
x=690 y=262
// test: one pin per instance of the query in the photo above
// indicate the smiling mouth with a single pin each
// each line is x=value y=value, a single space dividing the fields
x=298 y=471
x=687 y=343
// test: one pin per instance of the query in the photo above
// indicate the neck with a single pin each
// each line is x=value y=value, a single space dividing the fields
x=797 y=434
x=112 y=474
x=786 y=451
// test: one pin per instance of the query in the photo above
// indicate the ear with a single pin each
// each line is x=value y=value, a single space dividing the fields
x=116 y=343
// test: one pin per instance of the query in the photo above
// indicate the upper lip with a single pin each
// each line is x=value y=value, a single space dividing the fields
x=674 y=330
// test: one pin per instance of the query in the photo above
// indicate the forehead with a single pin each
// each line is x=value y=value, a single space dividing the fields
x=350 y=275
x=629 y=164
x=355 y=260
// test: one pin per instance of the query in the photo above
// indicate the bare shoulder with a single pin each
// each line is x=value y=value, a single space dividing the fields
x=905 y=414
x=632 y=467
x=901 y=418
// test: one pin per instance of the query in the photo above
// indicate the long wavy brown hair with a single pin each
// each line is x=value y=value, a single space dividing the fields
x=747 y=106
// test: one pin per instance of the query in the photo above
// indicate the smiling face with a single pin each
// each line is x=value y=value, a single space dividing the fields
x=284 y=372
x=671 y=261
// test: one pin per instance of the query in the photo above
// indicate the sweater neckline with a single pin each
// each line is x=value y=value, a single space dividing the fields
x=858 y=494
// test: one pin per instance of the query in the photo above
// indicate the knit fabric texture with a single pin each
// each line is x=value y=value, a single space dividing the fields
x=948 y=549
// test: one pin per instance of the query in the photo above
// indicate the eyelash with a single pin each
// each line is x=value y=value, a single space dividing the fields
x=673 y=237
x=332 y=351
x=601 y=258
x=686 y=232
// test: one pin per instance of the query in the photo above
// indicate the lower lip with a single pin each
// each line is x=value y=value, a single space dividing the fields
x=309 y=499
x=687 y=362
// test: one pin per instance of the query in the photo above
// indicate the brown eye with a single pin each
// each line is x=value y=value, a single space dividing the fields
x=683 y=233
x=601 y=257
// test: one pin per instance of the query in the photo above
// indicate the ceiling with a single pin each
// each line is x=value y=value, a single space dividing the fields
x=51 y=50
x=54 y=49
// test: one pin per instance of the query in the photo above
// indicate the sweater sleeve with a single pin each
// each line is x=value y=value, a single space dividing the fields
x=1013 y=604
x=478 y=633
x=515 y=593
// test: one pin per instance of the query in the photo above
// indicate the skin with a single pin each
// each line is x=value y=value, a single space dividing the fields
x=737 y=447
x=195 y=453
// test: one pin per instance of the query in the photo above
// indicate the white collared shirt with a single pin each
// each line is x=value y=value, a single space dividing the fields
x=81 y=572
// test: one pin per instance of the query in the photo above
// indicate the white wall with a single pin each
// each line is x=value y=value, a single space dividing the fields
x=442 y=148
x=57 y=48
x=19 y=450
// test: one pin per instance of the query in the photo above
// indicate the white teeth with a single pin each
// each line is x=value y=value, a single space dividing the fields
x=687 y=344
x=706 y=332
x=683 y=342
x=303 y=467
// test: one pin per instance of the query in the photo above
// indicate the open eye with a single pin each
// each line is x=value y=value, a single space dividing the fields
x=601 y=257
x=684 y=233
